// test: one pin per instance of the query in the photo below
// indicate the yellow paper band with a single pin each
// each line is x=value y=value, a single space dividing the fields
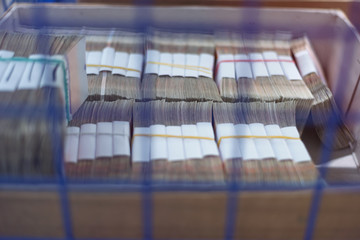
x=115 y=67
x=250 y=136
x=172 y=136
x=197 y=68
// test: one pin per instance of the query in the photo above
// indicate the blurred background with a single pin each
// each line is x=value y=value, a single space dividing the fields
x=350 y=7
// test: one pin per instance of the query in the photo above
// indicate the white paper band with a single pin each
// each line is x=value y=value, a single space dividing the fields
x=175 y=145
x=192 y=147
x=103 y=85
x=121 y=141
x=208 y=147
x=258 y=65
x=93 y=58
x=12 y=76
x=121 y=60
x=152 y=56
x=229 y=147
x=158 y=144
x=4 y=64
x=207 y=64
x=104 y=140
x=263 y=145
x=32 y=76
x=115 y=61
x=225 y=69
x=289 y=68
x=71 y=145
x=191 y=61
x=121 y=128
x=179 y=59
x=135 y=62
x=6 y=54
x=279 y=145
x=272 y=63
x=247 y=145
x=87 y=142
x=179 y=64
x=107 y=58
x=141 y=145
x=305 y=63
x=296 y=147
x=165 y=70
x=53 y=75
x=243 y=69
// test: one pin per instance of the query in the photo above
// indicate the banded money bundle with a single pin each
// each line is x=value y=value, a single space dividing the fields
x=260 y=68
x=97 y=143
x=260 y=144
x=175 y=142
x=179 y=67
x=114 y=65
x=36 y=97
x=324 y=107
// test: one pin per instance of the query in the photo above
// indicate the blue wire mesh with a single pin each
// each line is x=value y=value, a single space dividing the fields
x=147 y=188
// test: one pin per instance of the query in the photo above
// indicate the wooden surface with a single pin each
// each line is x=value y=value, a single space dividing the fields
x=30 y=214
x=180 y=215
x=107 y=215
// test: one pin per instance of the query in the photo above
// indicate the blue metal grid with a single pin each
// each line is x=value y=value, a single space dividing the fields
x=147 y=188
